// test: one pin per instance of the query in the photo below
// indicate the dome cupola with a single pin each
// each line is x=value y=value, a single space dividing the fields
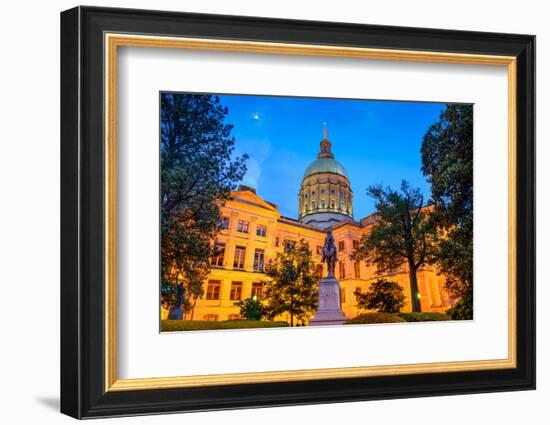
x=325 y=196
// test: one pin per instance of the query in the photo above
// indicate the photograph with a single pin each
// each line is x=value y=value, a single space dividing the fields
x=302 y=211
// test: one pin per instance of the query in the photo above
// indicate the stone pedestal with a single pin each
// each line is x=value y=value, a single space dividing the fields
x=176 y=313
x=329 y=311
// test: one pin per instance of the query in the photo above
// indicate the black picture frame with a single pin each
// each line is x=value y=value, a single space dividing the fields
x=83 y=392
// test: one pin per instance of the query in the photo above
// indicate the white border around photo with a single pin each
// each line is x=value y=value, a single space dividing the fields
x=141 y=350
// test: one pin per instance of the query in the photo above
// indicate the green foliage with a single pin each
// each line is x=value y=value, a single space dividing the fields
x=197 y=175
x=383 y=296
x=250 y=309
x=204 y=325
x=293 y=288
x=447 y=161
x=464 y=308
x=403 y=232
x=367 y=318
x=424 y=317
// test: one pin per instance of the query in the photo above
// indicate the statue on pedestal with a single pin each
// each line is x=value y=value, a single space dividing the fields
x=329 y=309
x=329 y=254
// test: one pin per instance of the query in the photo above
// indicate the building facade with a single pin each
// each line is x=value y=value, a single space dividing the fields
x=253 y=231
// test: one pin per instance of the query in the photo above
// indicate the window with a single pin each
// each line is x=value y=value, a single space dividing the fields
x=322 y=204
x=242 y=226
x=332 y=191
x=342 y=270
x=261 y=230
x=210 y=317
x=223 y=223
x=257 y=290
x=236 y=291
x=313 y=193
x=322 y=191
x=357 y=294
x=219 y=254
x=313 y=205
x=319 y=249
x=259 y=260
x=276 y=241
x=342 y=295
x=234 y=317
x=332 y=205
x=357 y=269
x=355 y=244
x=289 y=244
x=341 y=246
x=319 y=271
x=238 y=262
x=213 y=290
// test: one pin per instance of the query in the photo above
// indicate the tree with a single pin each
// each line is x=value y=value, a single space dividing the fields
x=198 y=172
x=293 y=287
x=402 y=233
x=447 y=161
x=384 y=296
x=251 y=308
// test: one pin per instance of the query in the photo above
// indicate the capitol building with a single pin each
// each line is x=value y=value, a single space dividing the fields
x=253 y=231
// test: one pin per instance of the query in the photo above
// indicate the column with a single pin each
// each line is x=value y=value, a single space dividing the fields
x=249 y=254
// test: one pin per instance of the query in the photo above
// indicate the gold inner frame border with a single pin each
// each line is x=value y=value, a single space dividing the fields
x=111 y=43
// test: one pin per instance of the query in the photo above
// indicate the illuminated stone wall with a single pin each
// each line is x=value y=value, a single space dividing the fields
x=247 y=207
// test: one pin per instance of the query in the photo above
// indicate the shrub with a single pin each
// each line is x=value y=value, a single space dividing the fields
x=384 y=296
x=205 y=325
x=424 y=317
x=251 y=309
x=375 y=318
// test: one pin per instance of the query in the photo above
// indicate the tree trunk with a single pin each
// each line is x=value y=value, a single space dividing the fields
x=193 y=309
x=415 y=295
x=291 y=319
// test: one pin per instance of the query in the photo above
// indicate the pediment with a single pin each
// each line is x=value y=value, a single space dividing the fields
x=250 y=197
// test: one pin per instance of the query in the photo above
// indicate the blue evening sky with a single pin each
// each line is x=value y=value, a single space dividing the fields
x=376 y=141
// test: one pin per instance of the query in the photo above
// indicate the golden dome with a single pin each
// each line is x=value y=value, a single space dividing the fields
x=325 y=165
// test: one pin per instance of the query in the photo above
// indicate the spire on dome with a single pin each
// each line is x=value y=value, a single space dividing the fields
x=325 y=145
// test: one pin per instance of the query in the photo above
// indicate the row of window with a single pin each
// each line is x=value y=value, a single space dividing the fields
x=239 y=257
x=259 y=259
x=342 y=245
x=243 y=226
x=322 y=192
x=214 y=287
x=287 y=243
x=236 y=294
x=261 y=230
x=324 y=205
x=357 y=293
x=356 y=269
x=214 y=317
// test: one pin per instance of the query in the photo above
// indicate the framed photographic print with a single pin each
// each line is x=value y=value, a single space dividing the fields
x=261 y=212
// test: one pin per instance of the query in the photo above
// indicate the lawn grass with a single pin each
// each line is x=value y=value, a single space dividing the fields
x=424 y=317
x=367 y=318
x=204 y=325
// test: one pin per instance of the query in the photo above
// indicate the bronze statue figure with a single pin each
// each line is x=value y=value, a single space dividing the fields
x=329 y=254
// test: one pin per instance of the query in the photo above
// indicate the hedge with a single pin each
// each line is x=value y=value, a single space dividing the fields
x=423 y=317
x=375 y=318
x=205 y=325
